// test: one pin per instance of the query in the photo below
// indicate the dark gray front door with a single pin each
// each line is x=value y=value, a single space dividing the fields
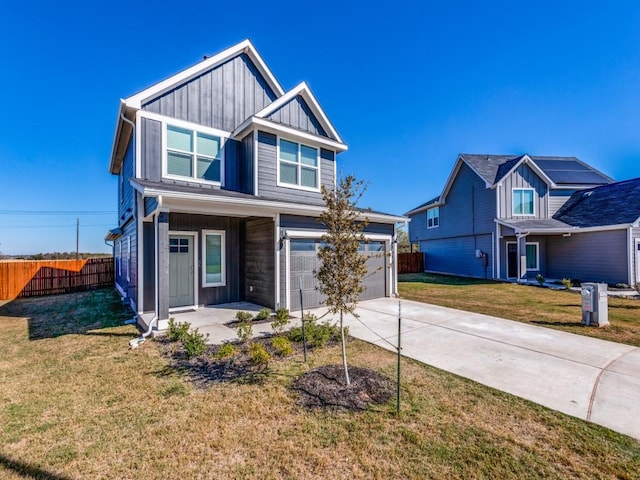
x=512 y=260
x=180 y=270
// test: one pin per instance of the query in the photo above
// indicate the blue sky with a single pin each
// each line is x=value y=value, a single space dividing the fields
x=408 y=85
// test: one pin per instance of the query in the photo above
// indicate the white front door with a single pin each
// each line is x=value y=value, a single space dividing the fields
x=180 y=270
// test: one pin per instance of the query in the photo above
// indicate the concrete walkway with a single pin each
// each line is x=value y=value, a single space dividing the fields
x=585 y=377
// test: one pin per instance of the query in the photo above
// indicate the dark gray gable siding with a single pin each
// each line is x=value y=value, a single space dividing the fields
x=221 y=98
x=297 y=114
x=523 y=177
x=234 y=258
x=268 y=170
x=259 y=268
x=589 y=257
x=126 y=198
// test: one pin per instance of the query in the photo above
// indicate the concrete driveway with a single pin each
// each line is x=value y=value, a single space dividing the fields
x=585 y=377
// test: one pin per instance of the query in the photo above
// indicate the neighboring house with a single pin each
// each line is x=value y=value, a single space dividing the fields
x=220 y=173
x=514 y=217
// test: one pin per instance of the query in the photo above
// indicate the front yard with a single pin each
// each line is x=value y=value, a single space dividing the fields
x=75 y=403
x=558 y=309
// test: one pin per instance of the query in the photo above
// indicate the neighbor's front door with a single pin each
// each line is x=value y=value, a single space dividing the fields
x=512 y=260
x=180 y=270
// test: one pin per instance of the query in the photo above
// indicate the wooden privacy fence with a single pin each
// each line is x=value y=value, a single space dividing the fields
x=27 y=278
x=411 y=262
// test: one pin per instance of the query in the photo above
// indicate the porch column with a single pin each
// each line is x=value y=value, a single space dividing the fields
x=162 y=281
x=522 y=257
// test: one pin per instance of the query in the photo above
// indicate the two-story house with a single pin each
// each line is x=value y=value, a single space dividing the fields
x=219 y=189
x=513 y=217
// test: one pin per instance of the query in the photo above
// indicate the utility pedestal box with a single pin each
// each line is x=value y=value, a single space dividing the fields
x=595 y=305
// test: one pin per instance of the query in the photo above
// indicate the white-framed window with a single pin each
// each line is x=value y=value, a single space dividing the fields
x=522 y=203
x=213 y=258
x=433 y=217
x=193 y=154
x=298 y=165
x=532 y=251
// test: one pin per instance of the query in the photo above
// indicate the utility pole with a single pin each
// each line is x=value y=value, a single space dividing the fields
x=77 y=236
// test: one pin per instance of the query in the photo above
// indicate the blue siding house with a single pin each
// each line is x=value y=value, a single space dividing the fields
x=513 y=217
x=219 y=188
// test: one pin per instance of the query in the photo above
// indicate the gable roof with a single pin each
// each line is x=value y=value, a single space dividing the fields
x=557 y=172
x=613 y=204
x=246 y=47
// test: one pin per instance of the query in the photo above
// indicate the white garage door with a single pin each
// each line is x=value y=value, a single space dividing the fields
x=303 y=260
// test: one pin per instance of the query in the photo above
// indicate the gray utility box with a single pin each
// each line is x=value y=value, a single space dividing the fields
x=595 y=305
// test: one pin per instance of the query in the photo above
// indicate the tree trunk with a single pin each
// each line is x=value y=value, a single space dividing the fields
x=344 y=353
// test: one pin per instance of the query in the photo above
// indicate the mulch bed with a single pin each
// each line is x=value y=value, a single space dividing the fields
x=325 y=387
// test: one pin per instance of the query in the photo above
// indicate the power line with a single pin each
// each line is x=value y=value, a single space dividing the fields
x=57 y=212
x=55 y=226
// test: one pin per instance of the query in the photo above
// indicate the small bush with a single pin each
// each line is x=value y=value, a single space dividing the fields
x=245 y=331
x=282 y=314
x=244 y=316
x=282 y=346
x=318 y=335
x=227 y=350
x=194 y=343
x=540 y=279
x=263 y=314
x=258 y=354
x=280 y=323
x=622 y=285
x=177 y=331
x=566 y=283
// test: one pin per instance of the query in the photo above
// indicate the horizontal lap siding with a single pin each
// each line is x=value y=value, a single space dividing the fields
x=234 y=238
x=594 y=256
x=149 y=266
x=557 y=198
x=129 y=286
x=221 y=98
x=260 y=262
x=458 y=256
x=126 y=202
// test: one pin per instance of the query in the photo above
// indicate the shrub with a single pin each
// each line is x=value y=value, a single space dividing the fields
x=263 y=314
x=244 y=316
x=282 y=314
x=281 y=322
x=226 y=350
x=194 y=343
x=540 y=279
x=566 y=283
x=245 y=331
x=318 y=335
x=177 y=331
x=282 y=346
x=622 y=285
x=258 y=354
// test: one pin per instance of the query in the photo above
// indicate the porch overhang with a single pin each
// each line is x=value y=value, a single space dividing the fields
x=553 y=227
x=113 y=234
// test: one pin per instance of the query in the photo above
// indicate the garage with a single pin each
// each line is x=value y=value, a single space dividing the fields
x=303 y=260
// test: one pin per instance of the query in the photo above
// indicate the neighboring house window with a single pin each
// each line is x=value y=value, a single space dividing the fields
x=298 y=165
x=532 y=256
x=213 y=274
x=433 y=217
x=193 y=154
x=523 y=201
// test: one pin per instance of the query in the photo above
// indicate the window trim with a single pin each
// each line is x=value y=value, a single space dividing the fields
x=522 y=189
x=434 y=218
x=223 y=256
x=537 y=245
x=299 y=166
x=195 y=128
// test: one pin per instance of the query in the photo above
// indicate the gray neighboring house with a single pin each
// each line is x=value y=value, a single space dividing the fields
x=513 y=217
x=219 y=175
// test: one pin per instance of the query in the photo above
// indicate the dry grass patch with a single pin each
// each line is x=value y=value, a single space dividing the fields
x=559 y=309
x=83 y=406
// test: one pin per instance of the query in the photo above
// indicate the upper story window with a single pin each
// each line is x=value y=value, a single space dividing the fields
x=193 y=154
x=522 y=201
x=298 y=165
x=433 y=217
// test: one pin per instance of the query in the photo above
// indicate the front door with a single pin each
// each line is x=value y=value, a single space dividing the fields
x=180 y=270
x=637 y=261
x=512 y=260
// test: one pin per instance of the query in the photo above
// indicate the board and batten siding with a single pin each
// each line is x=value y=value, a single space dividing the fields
x=523 y=177
x=151 y=161
x=259 y=265
x=589 y=257
x=234 y=255
x=220 y=98
x=297 y=114
x=268 y=174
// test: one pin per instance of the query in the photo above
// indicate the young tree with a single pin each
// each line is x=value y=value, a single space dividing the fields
x=343 y=267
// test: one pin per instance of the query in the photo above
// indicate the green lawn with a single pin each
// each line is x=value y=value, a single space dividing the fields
x=75 y=403
x=559 y=309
